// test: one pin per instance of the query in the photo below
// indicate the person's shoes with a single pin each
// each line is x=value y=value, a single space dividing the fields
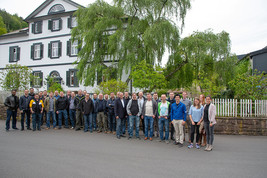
x=138 y=138
x=118 y=137
x=55 y=128
x=211 y=147
x=99 y=131
x=39 y=129
x=86 y=131
x=180 y=145
x=22 y=129
x=145 y=138
x=167 y=141
x=77 y=129
x=190 y=146
x=123 y=136
x=159 y=140
x=109 y=132
x=66 y=127
x=150 y=138
x=15 y=128
x=91 y=131
x=47 y=128
x=29 y=128
x=106 y=132
x=175 y=143
x=172 y=138
x=203 y=145
x=72 y=128
x=59 y=128
x=7 y=130
x=197 y=146
x=33 y=130
x=114 y=133
x=129 y=138
x=206 y=149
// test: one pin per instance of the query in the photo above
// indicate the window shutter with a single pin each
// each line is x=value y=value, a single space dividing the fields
x=69 y=22
x=68 y=78
x=32 y=52
x=41 y=79
x=31 y=81
x=41 y=51
x=49 y=50
x=76 y=81
x=33 y=29
x=79 y=45
x=39 y=27
x=49 y=24
x=18 y=53
x=68 y=48
x=60 y=24
x=59 y=48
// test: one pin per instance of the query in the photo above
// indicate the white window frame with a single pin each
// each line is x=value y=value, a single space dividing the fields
x=37 y=51
x=54 y=49
x=74 y=22
x=72 y=76
x=74 y=48
x=55 y=25
x=36 y=81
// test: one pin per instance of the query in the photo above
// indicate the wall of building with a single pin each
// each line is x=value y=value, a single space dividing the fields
x=260 y=62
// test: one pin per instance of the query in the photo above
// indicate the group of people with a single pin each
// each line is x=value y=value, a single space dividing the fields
x=110 y=114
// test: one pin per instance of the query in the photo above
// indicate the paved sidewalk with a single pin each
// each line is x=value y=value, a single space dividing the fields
x=68 y=153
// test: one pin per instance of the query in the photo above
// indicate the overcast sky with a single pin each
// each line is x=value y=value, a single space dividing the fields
x=244 y=20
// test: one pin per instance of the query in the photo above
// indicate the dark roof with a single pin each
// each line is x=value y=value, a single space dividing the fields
x=46 y=3
x=20 y=32
x=242 y=56
x=252 y=54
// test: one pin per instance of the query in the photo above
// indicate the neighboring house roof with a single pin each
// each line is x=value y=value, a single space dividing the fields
x=20 y=32
x=45 y=4
x=252 y=54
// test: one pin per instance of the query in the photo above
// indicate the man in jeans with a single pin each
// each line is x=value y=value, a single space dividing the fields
x=134 y=111
x=178 y=118
x=187 y=104
x=87 y=107
x=62 y=104
x=24 y=109
x=141 y=100
x=149 y=112
x=111 y=114
x=101 y=113
x=12 y=102
x=72 y=109
x=94 y=115
x=163 y=113
x=78 y=105
x=36 y=106
x=156 y=120
x=171 y=100
x=120 y=113
x=127 y=99
x=50 y=107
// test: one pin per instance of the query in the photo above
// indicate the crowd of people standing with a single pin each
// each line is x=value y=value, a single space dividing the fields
x=118 y=114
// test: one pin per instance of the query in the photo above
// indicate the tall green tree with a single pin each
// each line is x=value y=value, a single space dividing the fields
x=126 y=33
x=2 y=27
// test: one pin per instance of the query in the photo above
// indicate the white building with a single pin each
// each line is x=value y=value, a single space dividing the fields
x=45 y=45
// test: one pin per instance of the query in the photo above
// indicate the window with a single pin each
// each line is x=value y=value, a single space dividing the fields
x=37 y=81
x=58 y=8
x=14 y=54
x=72 y=79
x=37 y=27
x=55 y=25
x=72 y=22
x=72 y=48
x=37 y=51
x=54 y=49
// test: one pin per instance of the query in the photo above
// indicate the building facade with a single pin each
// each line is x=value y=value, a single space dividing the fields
x=46 y=46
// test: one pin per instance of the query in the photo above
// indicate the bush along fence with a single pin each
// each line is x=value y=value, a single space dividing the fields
x=245 y=108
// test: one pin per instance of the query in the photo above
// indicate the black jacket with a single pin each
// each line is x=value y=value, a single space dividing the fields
x=78 y=102
x=62 y=103
x=119 y=109
x=24 y=102
x=87 y=107
x=97 y=103
x=12 y=102
x=110 y=106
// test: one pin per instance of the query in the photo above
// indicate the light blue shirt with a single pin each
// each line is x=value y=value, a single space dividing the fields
x=196 y=113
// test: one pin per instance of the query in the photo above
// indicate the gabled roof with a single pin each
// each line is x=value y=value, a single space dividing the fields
x=252 y=54
x=20 y=32
x=46 y=3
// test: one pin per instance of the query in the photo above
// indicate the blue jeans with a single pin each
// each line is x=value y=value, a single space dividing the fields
x=48 y=115
x=88 y=119
x=36 y=118
x=132 y=120
x=72 y=113
x=112 y=122
x=149 y=120
x=94 y=120
x=10 y=114
x=119 y=126
x=28 y=118
x=165 y=122
x=65 y=115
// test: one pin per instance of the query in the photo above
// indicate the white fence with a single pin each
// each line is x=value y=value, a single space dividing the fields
x=241 y=108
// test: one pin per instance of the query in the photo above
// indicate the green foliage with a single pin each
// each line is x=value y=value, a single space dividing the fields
x=112 y=86
x=248 y=86
x=53 y=85
x=2 y=27
x=162 y=91
x=126 y=33
x=15 y=76
x=12 y=22
x=148 y=78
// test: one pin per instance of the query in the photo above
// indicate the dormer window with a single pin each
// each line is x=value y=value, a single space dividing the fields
x=58 y=8
x=55 y=25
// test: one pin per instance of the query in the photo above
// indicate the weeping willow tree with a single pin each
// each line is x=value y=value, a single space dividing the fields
x=126 y=33
x=203 y=59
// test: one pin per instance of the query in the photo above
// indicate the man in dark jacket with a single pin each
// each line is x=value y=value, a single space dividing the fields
x=62 y=104
x=101 y=113
x=12 y=102
x=36 y=106
x=94 y=115
x=87 y=106
x=127 y=99
x=171 y=99
x=24 y=109
x=78 y=104
x=120 y=113
x=111 y=114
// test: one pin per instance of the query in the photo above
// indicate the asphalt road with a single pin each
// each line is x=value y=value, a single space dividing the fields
x=67 y=153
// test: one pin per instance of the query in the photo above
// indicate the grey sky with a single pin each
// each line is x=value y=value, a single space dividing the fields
x=244 y=20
